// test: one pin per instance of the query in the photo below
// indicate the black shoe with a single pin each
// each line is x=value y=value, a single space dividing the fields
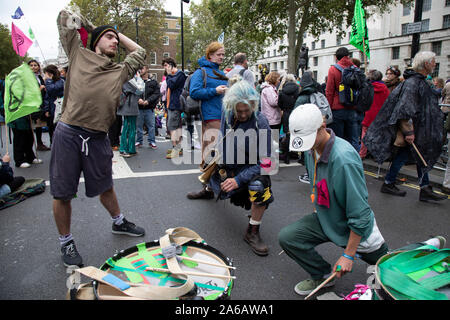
x=427 y=194
x=70 y=255
x=391 y=188
x=203 y=194
x=128 y=228
x=445 y=190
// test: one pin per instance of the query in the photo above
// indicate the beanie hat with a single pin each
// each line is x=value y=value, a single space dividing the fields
x=98 y=32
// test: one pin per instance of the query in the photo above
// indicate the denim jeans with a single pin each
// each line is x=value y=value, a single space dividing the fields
x=399 y=160
x=347 y=125
x=146 y=116
x=4 y=190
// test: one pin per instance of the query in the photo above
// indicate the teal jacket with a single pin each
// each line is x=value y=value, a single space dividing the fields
x=342 y=169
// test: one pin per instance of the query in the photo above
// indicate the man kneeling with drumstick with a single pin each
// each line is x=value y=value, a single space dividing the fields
x=242 y=177
x=342 y=214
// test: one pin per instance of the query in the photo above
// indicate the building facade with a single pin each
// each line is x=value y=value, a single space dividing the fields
x=390 y=44
x=172 y=29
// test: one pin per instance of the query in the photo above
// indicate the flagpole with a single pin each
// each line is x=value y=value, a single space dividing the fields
x=40 y=49
x=366 y=67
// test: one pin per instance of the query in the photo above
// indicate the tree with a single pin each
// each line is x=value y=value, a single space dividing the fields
x=120 y=14
x=10 y=59
x=201 y=28
x=273 y=19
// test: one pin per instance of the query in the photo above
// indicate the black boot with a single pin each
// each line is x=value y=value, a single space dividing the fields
x=253 y=238
x=203 y=194
x=391 y=188
x=427 y=193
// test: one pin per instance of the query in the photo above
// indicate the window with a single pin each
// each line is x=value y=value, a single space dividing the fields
x=274 y=52
x=315 y=74
x=313 y=45
x=338 y=41
x=281 y=65
x=447 y=3
x=395 y=53
x=406 y=9
x=178 y=25
x=436 y=71
x=436 y=47
x=152 y=57
x=425 y=25
x=322 y=44
x=166 y=40
x=154 y=76
x=404 y=28
x=426 y=5
x=268 y=54
x=316 y=61
x=446 y=21
x=166 y=25
x=166 y=55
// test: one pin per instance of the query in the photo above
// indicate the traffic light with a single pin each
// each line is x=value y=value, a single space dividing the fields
x=187 y=1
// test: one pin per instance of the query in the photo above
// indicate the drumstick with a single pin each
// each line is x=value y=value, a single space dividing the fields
x=189 y=273
x=207 y=262
x=420 y=156
x=322 y=284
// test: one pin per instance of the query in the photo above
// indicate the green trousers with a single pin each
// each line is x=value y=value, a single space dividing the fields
x=299 y=240
x=128 y=137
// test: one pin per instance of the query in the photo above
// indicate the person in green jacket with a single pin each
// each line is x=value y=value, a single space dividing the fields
x=342 y=213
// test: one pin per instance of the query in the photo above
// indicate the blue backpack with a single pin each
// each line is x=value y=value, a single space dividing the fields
x=355 y=90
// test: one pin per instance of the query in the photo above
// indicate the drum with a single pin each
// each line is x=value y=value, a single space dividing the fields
x=145 y=264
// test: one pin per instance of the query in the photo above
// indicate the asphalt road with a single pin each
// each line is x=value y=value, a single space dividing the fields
x=152 y=193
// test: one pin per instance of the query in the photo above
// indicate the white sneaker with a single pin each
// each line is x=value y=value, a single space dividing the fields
x=37 y=161
x=25 y=165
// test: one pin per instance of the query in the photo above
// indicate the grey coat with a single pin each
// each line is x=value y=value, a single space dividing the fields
x=129 y=100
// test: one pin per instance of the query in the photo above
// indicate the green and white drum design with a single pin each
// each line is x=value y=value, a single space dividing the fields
x=212 y=271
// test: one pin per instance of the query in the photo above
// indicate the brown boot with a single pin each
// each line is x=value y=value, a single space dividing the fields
x=203 y=194
x=254 y=240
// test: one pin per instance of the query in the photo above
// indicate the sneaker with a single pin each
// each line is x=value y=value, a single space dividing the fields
x=304 y=178
x=174 y=154
x=427 y=194
x=138 y=145
x=125 y=154
x=37 y=161
x=152 y=145
x=42 y=147
x=391 y=188
x=25 y=165
x=305 y=287
x=445 y=190
x=128 y=228
x=70 y=255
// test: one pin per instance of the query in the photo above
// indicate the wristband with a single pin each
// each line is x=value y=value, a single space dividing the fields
x=348 y=257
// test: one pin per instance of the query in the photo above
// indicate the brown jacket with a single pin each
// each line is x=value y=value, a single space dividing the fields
x=404 y=128
x=94 y=82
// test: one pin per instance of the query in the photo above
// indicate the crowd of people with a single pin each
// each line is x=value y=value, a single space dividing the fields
x=109 y=111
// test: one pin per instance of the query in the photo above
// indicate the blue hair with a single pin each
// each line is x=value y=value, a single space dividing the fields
x=240 y=92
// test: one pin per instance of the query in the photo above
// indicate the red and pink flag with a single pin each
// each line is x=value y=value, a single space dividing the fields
x=21 y=43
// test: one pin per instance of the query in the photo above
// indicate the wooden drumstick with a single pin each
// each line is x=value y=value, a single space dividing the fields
x=189 y=273
x=206 y=262
x=418 y=153
x=321 y=285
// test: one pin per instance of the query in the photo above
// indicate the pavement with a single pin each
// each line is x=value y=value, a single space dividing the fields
x=152 y=193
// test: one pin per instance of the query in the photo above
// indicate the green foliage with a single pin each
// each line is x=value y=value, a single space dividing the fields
x=120 y=13
x=9 y=59
x=201 y=28
x=273 y=19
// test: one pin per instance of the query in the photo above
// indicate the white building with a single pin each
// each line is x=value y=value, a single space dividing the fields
x=390 y=45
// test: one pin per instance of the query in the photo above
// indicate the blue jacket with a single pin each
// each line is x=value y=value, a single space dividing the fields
x=176 y=84
x=53 y=90
x=211 y=101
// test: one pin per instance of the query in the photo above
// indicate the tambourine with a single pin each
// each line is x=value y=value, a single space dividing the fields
x=145 y=264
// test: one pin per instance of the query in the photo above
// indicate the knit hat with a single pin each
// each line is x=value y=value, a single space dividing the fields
x=98 y=32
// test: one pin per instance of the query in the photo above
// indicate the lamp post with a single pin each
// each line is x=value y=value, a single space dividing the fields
x=415 y=45
x=136 y=14
x=182 y=35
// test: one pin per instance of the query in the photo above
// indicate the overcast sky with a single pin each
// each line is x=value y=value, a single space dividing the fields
x=41 y=16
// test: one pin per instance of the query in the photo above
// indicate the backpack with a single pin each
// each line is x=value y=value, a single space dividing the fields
x=191 y=106
x=355 y=90
x=321 y=101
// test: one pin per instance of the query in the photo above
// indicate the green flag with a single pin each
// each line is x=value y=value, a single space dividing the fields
x=359 y=36
x=22 y=94
x=31 y=33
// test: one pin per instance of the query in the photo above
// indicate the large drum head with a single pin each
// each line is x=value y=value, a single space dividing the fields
x=132 y=265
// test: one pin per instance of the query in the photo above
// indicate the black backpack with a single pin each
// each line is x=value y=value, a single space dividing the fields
x=355 y=90
x=189 y=105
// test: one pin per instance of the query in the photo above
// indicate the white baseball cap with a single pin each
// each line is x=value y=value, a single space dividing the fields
x=304 y=122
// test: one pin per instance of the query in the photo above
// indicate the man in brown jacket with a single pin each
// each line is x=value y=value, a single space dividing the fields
x=93 y=86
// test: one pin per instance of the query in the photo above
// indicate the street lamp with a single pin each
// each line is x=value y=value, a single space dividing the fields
x=182 y=35
x=136 y=14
